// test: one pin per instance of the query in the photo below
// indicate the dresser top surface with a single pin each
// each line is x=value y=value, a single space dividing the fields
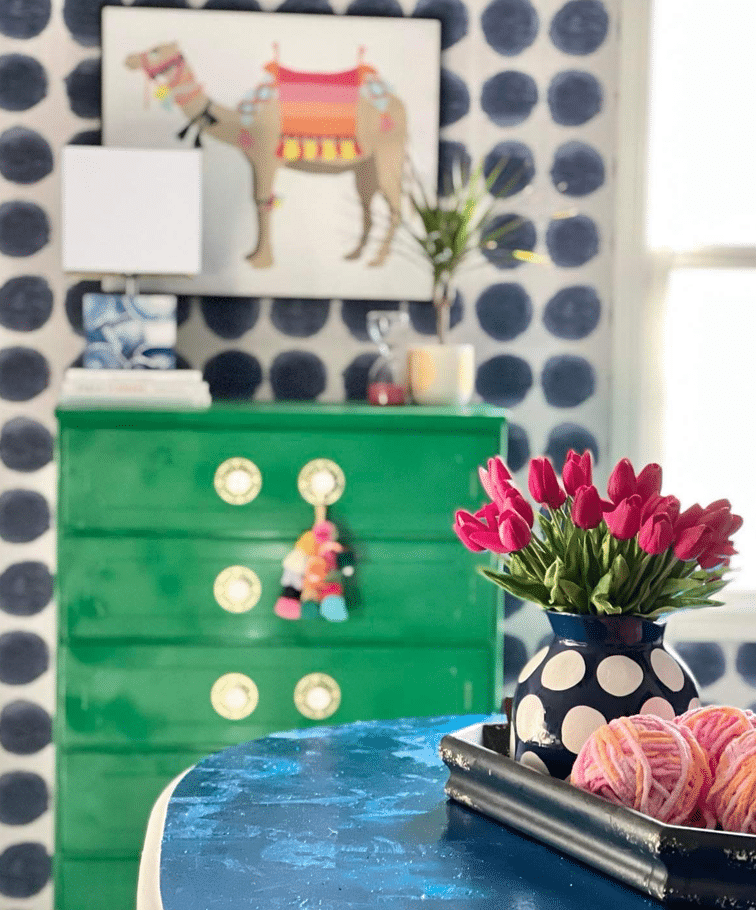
x=355 y=817
x=287 y=415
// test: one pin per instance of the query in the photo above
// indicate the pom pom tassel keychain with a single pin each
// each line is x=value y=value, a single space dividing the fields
x=313 y=572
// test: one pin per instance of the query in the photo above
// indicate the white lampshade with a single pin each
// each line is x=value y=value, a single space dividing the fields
x=131 y=211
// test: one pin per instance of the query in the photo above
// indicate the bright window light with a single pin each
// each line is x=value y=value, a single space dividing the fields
x=702 y=190
x=709 y=433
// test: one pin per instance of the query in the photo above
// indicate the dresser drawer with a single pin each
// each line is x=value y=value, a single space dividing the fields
x=408 y=592
x=207 y=698
x=96 y=884
x=107 y=798
x=397 y=483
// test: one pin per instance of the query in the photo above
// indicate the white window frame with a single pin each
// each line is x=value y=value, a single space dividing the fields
x=639 y=285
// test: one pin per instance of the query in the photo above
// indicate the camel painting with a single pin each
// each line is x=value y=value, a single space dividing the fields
x=319 y=121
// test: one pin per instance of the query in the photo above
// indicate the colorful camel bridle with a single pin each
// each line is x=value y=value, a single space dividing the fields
x=175 y=61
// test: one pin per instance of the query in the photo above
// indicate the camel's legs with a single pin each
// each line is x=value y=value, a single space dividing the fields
x=262 y=255
x=389 y=161
x=366 y=178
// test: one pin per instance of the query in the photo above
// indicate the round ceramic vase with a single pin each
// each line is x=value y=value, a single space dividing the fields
x=595 y=669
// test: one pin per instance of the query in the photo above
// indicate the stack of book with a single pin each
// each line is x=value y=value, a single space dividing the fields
x=137 y=388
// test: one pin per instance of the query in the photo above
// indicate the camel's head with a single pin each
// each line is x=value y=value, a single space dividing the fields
x=156 y=60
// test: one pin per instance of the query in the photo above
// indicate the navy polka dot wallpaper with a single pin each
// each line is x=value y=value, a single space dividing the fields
x=532 y=80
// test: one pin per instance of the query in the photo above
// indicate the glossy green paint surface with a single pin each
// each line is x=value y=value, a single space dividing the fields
x=142 y=537
x=100 y=822
x=121 y=695
x=405 y=476
x=96 y=884
x=146 y=588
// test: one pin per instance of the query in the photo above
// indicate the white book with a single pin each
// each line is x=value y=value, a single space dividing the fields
x=138 y=387
x=103 y=377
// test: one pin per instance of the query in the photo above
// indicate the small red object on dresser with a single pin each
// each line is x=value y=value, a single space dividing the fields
x=385 y=393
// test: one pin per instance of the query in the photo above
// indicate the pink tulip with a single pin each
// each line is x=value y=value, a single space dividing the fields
x=543 y=484
x=655 y=505
x=656 y=535
x=622 y=483
x=649 y=482
x=464 y=524
x=688 y=519
x=514 y=531
x=717 y=521
x=691 y=542
x=514 y=500
x=624 y=520
x=587 y=508
x=577 y=471
x=480 y=531
x=495 y=480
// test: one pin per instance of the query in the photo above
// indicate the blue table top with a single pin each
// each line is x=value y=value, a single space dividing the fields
x=356 y=817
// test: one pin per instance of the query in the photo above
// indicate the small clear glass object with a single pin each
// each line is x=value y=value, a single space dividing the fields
x=387 y=376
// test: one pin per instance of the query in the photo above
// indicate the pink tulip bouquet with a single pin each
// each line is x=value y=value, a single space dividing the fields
x=633 y=552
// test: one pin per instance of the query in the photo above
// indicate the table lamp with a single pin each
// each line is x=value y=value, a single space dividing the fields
x=131 y=213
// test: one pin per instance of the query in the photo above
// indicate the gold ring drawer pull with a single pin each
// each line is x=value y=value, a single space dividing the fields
x=237 y=481
x=321 y=482
x=317 y=696
x=234 y=696
x=237 y=589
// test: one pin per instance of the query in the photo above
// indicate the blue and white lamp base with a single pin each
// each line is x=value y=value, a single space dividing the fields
x=129 y=332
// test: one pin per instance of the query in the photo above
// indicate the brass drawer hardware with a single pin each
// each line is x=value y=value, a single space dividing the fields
x=234 y=696
x=317 y=696
x=321 y=482
x=237 y=481
x=237 y=589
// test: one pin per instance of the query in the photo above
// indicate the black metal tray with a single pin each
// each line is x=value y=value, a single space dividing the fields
x=673 y=864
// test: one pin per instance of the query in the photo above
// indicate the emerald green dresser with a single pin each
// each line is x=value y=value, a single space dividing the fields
x=172 y=528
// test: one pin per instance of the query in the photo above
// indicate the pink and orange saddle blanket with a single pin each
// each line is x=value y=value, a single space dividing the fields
x=318 y=112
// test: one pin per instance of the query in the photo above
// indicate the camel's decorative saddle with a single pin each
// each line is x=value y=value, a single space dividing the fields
x=318 y=110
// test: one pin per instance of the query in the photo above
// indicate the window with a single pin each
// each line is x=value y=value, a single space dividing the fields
x=690 y=378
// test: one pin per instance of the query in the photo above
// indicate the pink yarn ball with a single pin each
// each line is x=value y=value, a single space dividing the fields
x=715 y=727
x=645 y=763
x=733 y=795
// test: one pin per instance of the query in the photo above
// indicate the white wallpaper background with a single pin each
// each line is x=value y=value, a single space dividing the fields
x=536 y=81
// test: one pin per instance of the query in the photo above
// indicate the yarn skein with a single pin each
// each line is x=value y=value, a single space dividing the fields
x=733 y=795
x=645 y=763
x=714 y=728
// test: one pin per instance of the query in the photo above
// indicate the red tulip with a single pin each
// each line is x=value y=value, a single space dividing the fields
x=624 y=520
x=543 y=484
x=649 y=481
x=495 y=480
x=691 y=542
x=514 y=531
x=656 y=535
x=577 y=471
x=622 y=483
x=587 y=508
x=514 y=500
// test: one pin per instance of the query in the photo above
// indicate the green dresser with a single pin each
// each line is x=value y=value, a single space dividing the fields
x=172 y=530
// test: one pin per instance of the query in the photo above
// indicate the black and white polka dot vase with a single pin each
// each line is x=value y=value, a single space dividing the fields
x=595 y=669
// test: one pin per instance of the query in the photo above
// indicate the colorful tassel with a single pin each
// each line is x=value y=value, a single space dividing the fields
x=312 y=578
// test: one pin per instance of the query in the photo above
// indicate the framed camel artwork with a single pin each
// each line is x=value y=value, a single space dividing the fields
x=309 y=127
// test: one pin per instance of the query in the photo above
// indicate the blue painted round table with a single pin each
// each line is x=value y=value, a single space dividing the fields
x=355 y=817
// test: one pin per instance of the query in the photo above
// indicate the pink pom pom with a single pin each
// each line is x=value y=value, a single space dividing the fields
x=647 y=764
x=733 y=796
x=715 y=727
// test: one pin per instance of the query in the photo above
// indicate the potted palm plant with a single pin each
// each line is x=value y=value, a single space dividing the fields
x=451 y=232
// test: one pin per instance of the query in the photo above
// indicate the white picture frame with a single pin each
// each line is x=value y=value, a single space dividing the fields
x=308 y=125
